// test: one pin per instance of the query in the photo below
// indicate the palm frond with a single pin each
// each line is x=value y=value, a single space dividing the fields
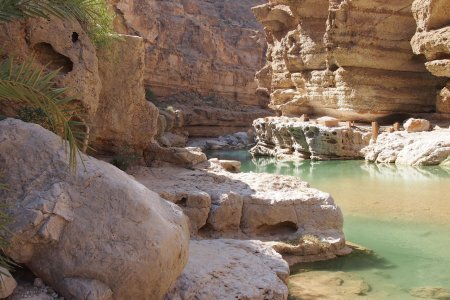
x=35 y=88
x=94 y=15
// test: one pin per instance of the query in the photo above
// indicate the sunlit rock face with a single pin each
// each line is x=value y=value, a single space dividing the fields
x=432 y=39
x=210 y=47
x=349 y=59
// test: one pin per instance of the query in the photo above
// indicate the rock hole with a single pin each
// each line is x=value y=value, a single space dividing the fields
x=182 y=202
x=310 y=134
x=75 y=37
x=46 y=55
x=281 y=228
x=333 y=67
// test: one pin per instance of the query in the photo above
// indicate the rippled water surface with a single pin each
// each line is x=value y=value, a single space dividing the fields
x=401 y=213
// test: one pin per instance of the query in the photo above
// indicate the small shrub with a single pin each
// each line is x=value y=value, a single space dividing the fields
x=123 y=162
x=33 y=115
x=149 y=94
x=170 y=108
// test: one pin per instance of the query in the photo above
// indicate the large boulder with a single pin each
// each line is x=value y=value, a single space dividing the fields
x=415 y=149
x=231 y=269
x=94 y=233
x=417 y=125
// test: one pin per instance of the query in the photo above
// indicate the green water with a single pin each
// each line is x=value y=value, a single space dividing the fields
x=402 y=214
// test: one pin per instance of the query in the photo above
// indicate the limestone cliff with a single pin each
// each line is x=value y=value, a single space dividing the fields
x=201 y=59
x=347 y=58
x=432 y=39
x=107 y=84
x=209 y=47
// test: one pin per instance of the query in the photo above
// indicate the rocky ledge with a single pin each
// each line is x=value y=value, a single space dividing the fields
x=414 y=148
x=285 y=137
x=221 y=204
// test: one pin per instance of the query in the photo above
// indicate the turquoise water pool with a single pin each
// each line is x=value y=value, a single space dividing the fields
x=401 y=213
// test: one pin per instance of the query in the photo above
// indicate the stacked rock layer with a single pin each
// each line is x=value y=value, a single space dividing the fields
x=349 y=59
x=432 y=39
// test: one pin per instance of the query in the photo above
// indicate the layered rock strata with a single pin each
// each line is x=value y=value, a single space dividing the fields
x=292 y=138
x=432 y=39
x=415 y=149
x=208 y=47
x=212 y=116
x=348 y=59
x=245 y=205
x=91 y=233
x=108 y=84
x=231 y=269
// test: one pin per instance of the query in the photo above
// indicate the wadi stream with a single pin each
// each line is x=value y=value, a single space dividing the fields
x=402 y=214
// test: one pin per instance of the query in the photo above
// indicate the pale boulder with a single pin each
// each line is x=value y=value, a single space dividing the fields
x=7 y=283
x=231 y=269
x=94 y=231
x=414 y=149
x=417 y=125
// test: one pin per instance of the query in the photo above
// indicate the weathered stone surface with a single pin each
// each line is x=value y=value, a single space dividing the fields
x=231 y=269
x=432 y=39
x=415 y=149
x=417 y=125
x=232 y=166
x=247 y=205
x=347 y=59
x=185 y=157
x=235 y=141
x=210 y=47
x=7 y=283
x=95 y=231
x=107 y=84
x=124 y=118
x=292 y=138
x=212 y=116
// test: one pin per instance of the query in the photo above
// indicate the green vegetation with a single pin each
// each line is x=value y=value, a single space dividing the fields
x=170 y=108
x=149 y=94
x=33 y=115
x=123 y=162
x=93 y=15
x=35 y=88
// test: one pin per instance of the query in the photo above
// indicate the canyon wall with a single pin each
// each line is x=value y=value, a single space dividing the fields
x=432 y=39
x=203 y=46
x=107 y=84
x=351 y=59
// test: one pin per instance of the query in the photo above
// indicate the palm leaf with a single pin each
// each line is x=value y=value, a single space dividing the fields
x=35 y=88
x=94 y=15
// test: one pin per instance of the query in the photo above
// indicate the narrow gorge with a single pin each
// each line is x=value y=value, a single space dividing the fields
x=239 y=149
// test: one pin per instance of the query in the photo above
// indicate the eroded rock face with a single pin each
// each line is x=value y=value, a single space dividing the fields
x=292 y=138
x=247 y=205
x=231 y=269
x=415 y=149
x=210 y=47
x=432 y=39
x=92 y=234
x=107 y=84
x=347 y=59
